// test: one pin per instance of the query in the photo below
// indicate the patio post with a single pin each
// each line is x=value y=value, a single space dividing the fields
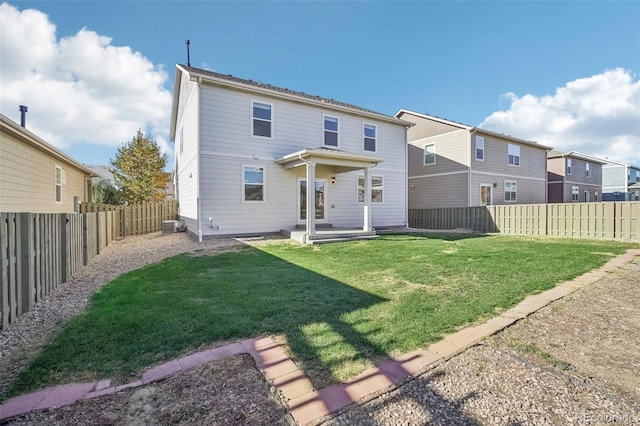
x=311 y=198
x=367 y=201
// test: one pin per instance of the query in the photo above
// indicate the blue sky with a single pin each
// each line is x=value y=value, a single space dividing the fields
x=508 y=66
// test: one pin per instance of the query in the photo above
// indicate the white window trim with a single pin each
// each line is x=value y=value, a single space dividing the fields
x=264 y=184
x=364 y=136
x=181 y=138
x=587 y=171
x=253 y=101
x=569 y=166
x=56 y=184
x=338 y=132
x=519 y=157
x=424 y=149
x=516 y=191
x=358 y=176
x=483 y=150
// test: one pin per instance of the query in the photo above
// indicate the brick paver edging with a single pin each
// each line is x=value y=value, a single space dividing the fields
x=306 y=404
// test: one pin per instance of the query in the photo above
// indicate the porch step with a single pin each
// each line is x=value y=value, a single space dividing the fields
x=328 y=236
x=342 y=239
x=318 y=226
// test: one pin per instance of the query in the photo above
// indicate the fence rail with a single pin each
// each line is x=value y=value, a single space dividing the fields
x=136 y=219
x=613 y=220
x=39 y=251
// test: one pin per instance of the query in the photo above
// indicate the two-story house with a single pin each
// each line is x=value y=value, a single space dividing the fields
x=35 y=176
x=619 y=180
x=246 y=152
x=573 y=177
x=455 y=165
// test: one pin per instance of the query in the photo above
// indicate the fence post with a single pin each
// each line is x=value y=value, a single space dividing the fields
x=4 y=270
x=26 y=296
x=64 y=248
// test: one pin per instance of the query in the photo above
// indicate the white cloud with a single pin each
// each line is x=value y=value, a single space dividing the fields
x=598 y=115
x=79 y=89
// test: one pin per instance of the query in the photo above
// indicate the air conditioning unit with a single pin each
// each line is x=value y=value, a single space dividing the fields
x=170 y=226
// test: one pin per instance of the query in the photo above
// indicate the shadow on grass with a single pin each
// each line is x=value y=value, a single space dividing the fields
x=435 y=235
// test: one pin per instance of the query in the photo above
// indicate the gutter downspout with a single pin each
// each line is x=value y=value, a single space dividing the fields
x=199 y=162
x=471 y=133
x=406 y=178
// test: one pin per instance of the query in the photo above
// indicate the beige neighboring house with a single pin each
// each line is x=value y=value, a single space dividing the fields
x=574 y=177
x=455 y=165
x=36 y=177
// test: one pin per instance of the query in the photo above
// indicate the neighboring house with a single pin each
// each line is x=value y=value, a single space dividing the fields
x=574 y=177
x=455 y=165
x=246 y=150
x=101 y=173
x=618 y=179
x=35 y=176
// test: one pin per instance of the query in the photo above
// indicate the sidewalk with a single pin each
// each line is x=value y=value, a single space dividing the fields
x=306 y=404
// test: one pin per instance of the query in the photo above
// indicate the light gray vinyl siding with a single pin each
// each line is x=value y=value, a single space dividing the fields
x=187 y=161
x=226 y=144
x=452 y=153
x=439 y=191
x=425 y=128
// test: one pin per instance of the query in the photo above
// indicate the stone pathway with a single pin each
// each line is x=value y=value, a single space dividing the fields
x=306 y=404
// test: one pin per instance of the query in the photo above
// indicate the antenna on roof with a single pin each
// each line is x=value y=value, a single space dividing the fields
x=187 y=42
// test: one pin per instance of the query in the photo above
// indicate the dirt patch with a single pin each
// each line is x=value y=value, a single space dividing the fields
x=226 y=392
x=591 y=335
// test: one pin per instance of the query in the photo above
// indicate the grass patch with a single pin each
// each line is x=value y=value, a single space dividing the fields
x=340 y=306
x=532 y=348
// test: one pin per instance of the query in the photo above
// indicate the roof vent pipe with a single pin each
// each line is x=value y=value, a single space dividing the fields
x=23 y=115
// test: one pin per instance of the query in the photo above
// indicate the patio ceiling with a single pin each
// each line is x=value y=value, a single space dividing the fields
x=343 y=161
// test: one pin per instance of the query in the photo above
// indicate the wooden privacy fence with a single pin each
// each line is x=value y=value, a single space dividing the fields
x=136 y=219
x=39 y=251
x=615 y=220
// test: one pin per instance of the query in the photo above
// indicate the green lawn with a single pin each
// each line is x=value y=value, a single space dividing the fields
x=341 y=307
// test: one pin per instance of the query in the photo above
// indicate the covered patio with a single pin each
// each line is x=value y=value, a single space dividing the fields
x=340 y=162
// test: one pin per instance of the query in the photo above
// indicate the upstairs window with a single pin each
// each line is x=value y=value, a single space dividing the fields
x=253 y=183
x=586 y=169
x=514 y=155
x=330 y=131
x=58 y=180
x=568 y=166
x=510 y=191
x=479 y=148
x=430 y=154
x=262 y=120
x=181 y=139
x=370 y=137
